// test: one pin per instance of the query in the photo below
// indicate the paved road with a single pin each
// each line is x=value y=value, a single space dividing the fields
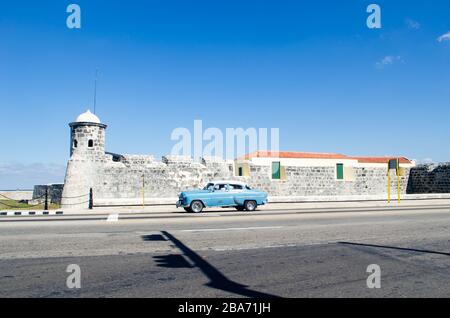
x=289 y=253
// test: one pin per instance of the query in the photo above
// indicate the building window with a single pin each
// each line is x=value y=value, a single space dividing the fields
x=75 y=143
x=276 y=170
x=90 y=143
x=340 y=171
x=242 y=169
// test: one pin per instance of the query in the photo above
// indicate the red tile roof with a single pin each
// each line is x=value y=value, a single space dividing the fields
x=380 y=159
x=313 y=155
x=297 y=155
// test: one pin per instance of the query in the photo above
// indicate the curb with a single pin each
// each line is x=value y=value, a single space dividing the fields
x=30 y=213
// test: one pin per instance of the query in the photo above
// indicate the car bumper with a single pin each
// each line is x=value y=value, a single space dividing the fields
x=180 y=204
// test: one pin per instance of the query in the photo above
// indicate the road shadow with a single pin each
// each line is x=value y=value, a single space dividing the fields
x=396 y=248
x=172 y=261
x=217 y=279
x=153 y=238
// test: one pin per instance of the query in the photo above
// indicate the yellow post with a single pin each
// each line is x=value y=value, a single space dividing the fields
x=398 y=180
x=389 y=185
x=143 y=191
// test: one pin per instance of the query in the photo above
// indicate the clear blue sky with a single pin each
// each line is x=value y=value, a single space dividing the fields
x=311 y=68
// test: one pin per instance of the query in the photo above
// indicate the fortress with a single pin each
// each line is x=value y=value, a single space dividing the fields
x=119 y=179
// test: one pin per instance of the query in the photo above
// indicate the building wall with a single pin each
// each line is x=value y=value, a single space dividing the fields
x=122 y=182
x=321 y=181
x=122 y=179
x=430 y=178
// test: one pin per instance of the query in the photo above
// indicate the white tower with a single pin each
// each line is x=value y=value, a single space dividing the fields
x=87 y=137
x=87 y=154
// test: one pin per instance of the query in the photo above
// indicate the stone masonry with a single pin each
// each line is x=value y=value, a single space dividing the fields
x=126 y=179
x=430 y=178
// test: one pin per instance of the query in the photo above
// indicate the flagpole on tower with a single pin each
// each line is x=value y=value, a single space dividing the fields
x=95 y=91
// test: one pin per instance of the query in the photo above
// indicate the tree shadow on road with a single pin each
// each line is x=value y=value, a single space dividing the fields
x=217 y=279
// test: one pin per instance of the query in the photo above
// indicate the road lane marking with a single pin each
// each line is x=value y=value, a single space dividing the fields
x=113 y=218
x=235 y=229
x=248 y=248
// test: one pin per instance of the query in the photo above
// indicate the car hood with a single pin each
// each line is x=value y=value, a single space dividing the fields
x=194 y=192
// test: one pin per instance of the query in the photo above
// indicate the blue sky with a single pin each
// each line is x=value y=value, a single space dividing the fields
x=311 y=68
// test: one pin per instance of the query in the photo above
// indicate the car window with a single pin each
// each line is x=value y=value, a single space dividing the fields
x=208 y=186
x=236 y=187
x=220 y=187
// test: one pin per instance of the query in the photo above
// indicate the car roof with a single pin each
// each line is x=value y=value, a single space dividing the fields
x=229 y=182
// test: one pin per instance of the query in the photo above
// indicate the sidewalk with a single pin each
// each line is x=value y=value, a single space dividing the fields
x=275 y=204
x=438 y=202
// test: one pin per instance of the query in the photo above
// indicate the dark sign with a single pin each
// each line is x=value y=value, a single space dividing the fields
x=393 y=164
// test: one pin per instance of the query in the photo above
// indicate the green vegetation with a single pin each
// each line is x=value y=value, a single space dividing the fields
x=14 y=205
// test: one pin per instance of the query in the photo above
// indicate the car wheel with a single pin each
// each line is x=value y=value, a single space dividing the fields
x=197 y=207
x=188 y=210
x=250 y=205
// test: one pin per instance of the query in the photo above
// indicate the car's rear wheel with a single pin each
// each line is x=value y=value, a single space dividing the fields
x=197 y=206
x=250 y=205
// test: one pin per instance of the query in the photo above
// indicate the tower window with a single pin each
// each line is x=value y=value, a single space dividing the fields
x=90 y=143
x=75 y=143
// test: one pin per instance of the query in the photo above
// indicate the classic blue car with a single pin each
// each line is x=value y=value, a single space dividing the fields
x=222 y=194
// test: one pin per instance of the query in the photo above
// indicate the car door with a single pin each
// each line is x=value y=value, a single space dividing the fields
x=220 y=196
x=237 y=194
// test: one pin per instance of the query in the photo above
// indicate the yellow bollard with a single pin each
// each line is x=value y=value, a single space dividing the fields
x=143 y=191
x=398 y=180
x=389 y=186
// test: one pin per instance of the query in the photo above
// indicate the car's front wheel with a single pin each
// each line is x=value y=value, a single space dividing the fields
x=250 y=205
x=197 y=206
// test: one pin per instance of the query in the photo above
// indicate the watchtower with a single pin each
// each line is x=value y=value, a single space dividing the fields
x=87 y=137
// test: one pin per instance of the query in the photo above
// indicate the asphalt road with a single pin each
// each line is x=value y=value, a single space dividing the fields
x=288 y=253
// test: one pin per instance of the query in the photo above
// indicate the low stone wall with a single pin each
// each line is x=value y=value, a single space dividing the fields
x=430 y=178
x=54 y=192
x=17 y=195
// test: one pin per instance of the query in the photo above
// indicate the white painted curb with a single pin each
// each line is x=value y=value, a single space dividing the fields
x=30 y=213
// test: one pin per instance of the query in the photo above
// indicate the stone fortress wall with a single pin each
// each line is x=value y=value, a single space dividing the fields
x=126 y=179
x=430 y=178
x=122 y=182
x=321 y=181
